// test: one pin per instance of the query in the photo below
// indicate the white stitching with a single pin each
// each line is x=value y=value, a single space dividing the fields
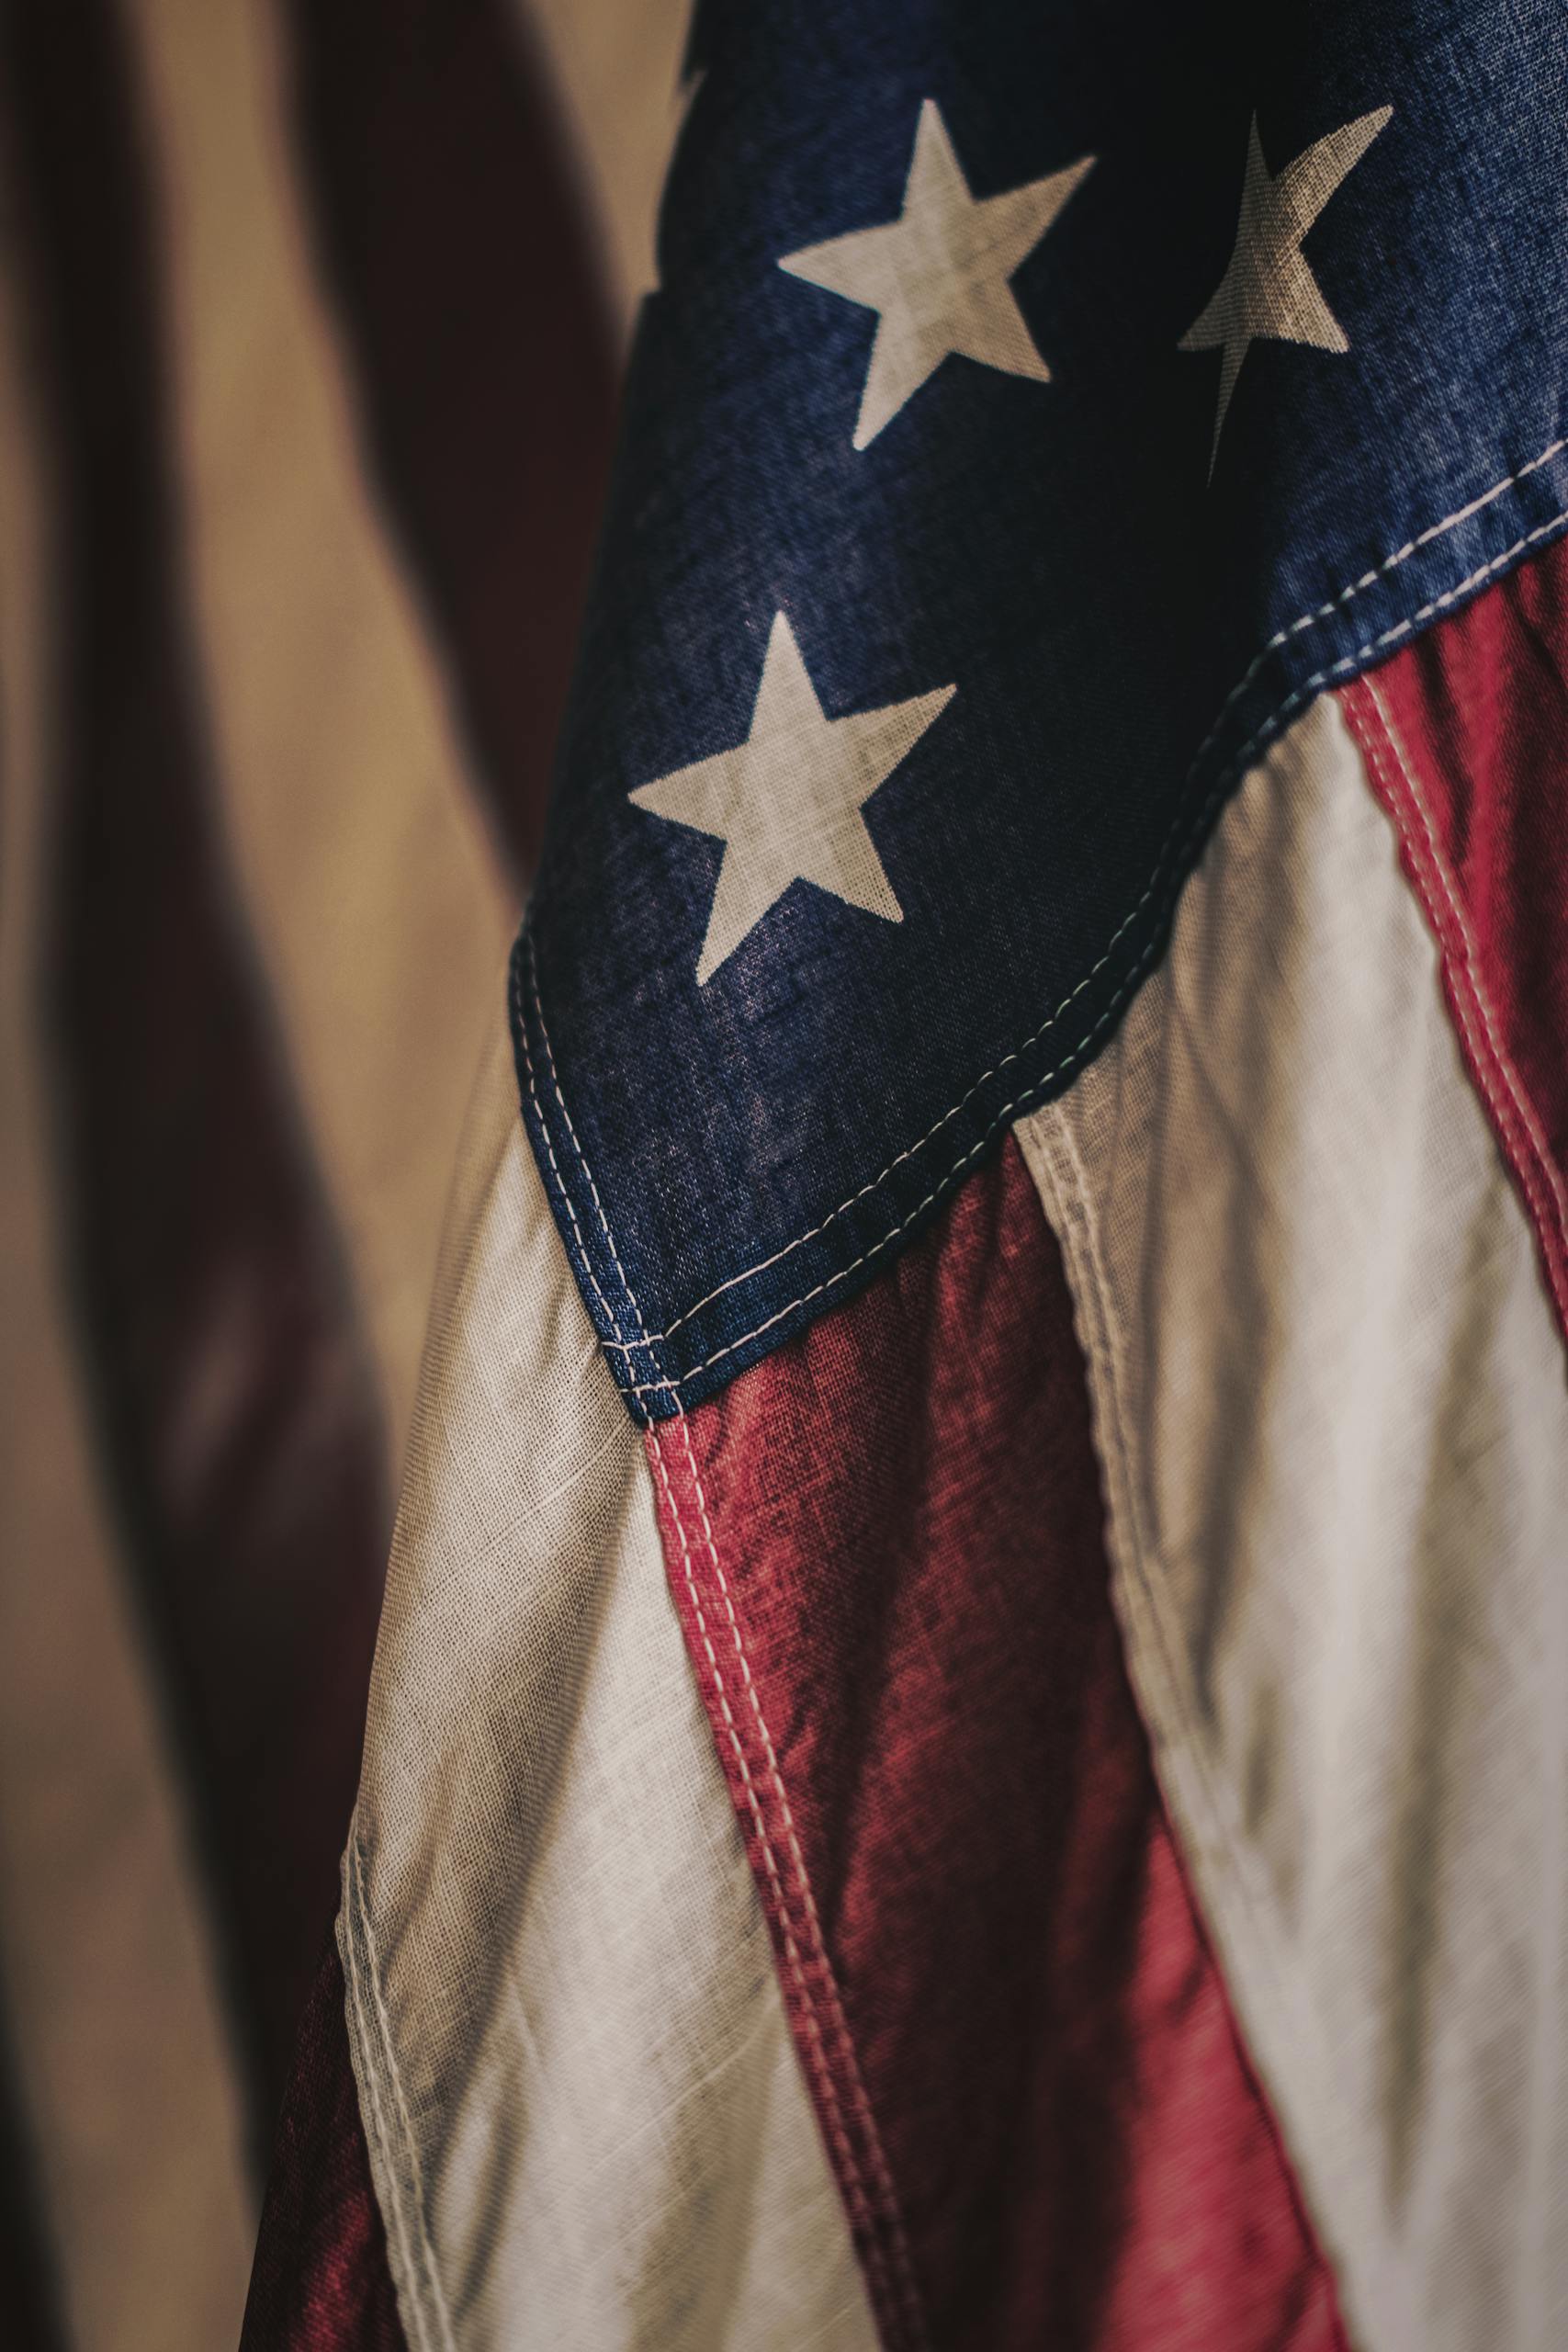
x=1369 y=579
x=361 y=1909
x=1492 y=1062
x=862 y=2102
x=543 y=1124
x=1281 y=636
x=859 y=2211
x=577 y=1147
x=1076 y=1224
x=373 y=2074
x=892 y=2218
x=1515 y=1085
x=1265 y=734
x=646 y=1387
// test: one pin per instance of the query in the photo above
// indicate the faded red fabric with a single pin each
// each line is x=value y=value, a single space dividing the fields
x=1465 y=736
x=887 y=1544
x=321 y=2281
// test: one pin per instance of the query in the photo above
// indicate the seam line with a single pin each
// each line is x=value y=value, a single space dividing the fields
x=1304 y=621
x=1182 y=1766
x=1527 y=1155
x=857 y=2081
x=855 y=2192
x=399 y=2225
x=1266 y=734
x=648 y=1387
x=1507 y=1069
x=891 y=2217
x=521 y=1026
x=372 y=1970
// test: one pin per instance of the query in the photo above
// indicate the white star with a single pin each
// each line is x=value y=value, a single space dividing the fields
x=787 y=802
x=939 y=274
x=1269 y=287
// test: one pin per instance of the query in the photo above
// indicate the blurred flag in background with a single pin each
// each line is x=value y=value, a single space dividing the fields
x=966 y=1746
x=309 y=324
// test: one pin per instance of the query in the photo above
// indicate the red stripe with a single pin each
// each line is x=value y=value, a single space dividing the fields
x=448 y=217
x=223 y=1354
x=322 y=2281
x=886 y=1545
x=1464 y=737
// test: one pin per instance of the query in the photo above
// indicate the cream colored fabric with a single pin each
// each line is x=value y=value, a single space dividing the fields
x=586 y=2118
x=377 y=907
x=615 y=66
x=1330 y=1400
x=108 y=1978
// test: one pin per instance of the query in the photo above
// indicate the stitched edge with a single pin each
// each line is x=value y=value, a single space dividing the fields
x=1506 y=1068
x=1050 y=1147
x=520 y=1027
x=1326 y=612
x=1527 y=1154
x=1244 y=759
x=357 y=1922
x=1200 y=1819
x=819 y=2064
x=867 y=1257
x=857 y=2081
x=1172 y=851
x=1105 y=1344
x=1282 y=636
x=908 y=2307
x=369 y=2074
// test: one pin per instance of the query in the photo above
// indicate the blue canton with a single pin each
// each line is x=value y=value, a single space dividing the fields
x=951 y=578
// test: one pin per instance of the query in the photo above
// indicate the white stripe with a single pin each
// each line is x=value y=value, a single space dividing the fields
x=587 y=2119
x=615 y=65
x=105 y=1969
x=1330 y=1396
x=379 y=909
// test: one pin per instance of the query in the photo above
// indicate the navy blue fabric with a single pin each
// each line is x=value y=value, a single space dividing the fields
x=1125 y=636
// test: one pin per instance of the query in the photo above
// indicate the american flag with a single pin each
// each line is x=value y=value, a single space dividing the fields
x=310 y=326
x=968 y=1739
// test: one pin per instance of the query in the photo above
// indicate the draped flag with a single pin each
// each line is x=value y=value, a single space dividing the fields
x=969 y=1741
x=968 y=1746
x=271 y=769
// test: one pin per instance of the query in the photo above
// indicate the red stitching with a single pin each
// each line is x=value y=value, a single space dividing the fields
x=1519 y=1133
